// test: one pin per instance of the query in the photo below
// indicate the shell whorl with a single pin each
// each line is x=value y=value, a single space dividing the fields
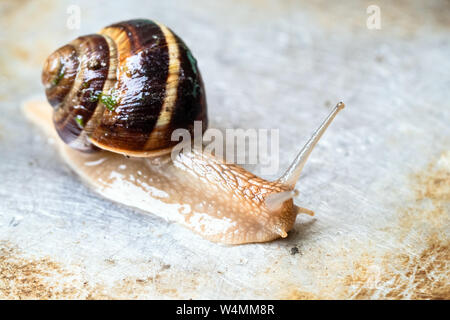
x=125 y=89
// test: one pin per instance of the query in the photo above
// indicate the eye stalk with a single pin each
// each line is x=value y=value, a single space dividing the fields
x=292 y=174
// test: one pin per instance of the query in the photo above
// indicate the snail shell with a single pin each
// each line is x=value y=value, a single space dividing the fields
x=125 y=89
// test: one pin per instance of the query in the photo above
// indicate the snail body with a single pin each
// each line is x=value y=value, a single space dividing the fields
x=222 y=202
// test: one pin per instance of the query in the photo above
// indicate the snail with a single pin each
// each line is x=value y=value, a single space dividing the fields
x=123 y=91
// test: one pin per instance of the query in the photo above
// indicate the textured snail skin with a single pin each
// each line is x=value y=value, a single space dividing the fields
x=124 y=89
x=221 y=202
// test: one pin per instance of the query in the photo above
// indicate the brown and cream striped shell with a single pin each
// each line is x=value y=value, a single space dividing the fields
x=125 y=89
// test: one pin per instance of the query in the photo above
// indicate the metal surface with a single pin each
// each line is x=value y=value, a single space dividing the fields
x=379 y=181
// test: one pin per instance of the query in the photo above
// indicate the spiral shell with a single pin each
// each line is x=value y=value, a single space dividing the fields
x=125 y=89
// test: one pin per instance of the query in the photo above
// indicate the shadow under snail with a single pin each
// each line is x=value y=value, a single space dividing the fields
x=124 y=91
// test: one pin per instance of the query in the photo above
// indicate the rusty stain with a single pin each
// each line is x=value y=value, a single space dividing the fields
x=434 y=182
x=405 y=276
x=24 y=277
x=421 y=272
x=430 y=271
x=425 y=275
x=21 y=52
x=296 y=294
x=429 y=185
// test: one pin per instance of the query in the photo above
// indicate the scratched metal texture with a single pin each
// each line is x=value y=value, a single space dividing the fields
x=379 y=181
